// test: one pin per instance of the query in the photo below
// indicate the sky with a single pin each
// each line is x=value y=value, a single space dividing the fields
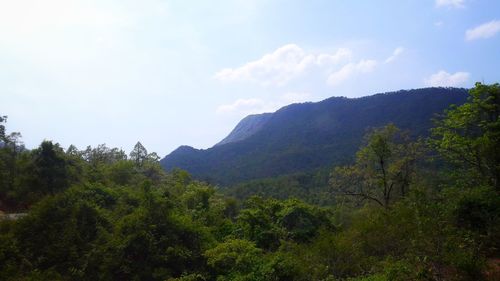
x=171 y=73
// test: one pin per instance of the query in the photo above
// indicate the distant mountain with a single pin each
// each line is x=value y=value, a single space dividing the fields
x=308 y=136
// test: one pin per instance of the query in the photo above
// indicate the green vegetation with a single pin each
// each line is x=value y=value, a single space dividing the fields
x=406 y=209
x=384 y=168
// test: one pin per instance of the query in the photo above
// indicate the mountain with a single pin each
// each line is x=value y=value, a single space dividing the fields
x=304 y=137
x=246 y=127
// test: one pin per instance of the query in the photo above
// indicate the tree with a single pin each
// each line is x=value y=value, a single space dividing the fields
x=469 y=136
x=102 y=155
x=235 y=259
x=73 y=151
x=60 y=234
x=3 y=119
x=139 y=154
x=10 y=147
x=383 y=170
x=300 y=221
x=43 y=171
x=152 y=157
x=12 y=140
x=50 y=168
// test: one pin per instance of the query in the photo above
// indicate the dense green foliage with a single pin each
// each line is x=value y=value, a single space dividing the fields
x=301 y=138
x=312 y=187
x=97 y=214
x=469 y=136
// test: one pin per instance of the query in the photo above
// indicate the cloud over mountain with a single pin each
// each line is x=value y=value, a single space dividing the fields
x=281 y=66
x=445 y=79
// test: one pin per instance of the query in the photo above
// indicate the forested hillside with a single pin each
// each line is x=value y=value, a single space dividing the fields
x=305 y=137
x=100 y=214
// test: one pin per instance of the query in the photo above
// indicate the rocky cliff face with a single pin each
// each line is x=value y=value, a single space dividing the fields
x=246 y=128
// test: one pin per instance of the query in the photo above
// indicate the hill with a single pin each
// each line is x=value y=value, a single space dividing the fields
x=304 y=137
x=247 y=127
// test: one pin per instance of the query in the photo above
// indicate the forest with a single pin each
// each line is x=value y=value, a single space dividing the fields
x=404 y=208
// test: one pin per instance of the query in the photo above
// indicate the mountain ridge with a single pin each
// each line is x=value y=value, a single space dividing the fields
x=305 y=136
x=246 y=127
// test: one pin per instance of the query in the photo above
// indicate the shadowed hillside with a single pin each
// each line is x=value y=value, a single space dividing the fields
x=304 y=137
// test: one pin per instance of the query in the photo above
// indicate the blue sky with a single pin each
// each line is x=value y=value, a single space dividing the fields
x=170 y=73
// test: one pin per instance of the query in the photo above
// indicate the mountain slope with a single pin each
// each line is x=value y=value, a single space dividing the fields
x=304 y=137
x=246 y=127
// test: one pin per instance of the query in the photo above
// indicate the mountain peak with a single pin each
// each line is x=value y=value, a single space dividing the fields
x=246 y=128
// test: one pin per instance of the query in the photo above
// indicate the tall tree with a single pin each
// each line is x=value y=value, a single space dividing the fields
x=383 y=170
x=12 y=140
x=10 y=146
x=3 y=119
x=139 y=154
x=469 y=136
x=50 y=168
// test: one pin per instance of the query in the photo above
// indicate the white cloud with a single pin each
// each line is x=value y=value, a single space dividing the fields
x=342 y=54
x=485 y=30
x=290 y=61
x=280 y=66
x=398 y=51
x=438 y=23
x=445 y=79
x=450 y=3
x=254 y=105
x=351 y=69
